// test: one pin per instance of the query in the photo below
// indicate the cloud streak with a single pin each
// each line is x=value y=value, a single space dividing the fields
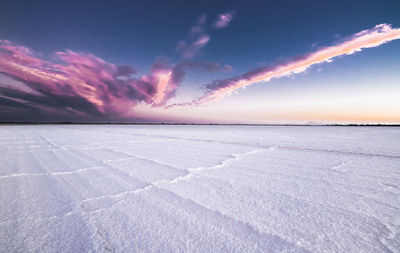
x=374 y=37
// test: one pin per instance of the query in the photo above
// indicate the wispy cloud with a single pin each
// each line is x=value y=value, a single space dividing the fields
x=374 y=37
x=223 y=20
x=196 y=39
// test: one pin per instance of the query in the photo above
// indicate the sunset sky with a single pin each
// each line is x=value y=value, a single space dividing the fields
x=200 y=61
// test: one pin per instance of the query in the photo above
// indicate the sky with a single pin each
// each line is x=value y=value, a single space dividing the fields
x=248 y=62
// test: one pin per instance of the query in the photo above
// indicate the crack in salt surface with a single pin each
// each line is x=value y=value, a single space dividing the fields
x=130 y=156
x=284 y=147
x=191 y=172
x=120 y=194
x=51 y=173
x=340 y=166
x=79 y=209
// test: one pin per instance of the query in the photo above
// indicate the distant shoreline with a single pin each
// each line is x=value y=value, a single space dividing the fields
x=191 y=124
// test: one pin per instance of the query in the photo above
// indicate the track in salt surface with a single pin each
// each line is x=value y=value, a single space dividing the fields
x=103 y=188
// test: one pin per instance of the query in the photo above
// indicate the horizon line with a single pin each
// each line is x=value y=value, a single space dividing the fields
x=199 y=124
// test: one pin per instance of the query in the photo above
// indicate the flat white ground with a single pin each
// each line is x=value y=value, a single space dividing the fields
x=99 y=188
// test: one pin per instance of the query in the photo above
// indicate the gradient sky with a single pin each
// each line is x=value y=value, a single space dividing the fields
x=200 y=61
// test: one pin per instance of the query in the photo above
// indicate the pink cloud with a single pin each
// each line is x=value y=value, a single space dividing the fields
x=84 y=83
x=190 y=50
x=196 y=39
x=374 y=37
x=223 y=20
